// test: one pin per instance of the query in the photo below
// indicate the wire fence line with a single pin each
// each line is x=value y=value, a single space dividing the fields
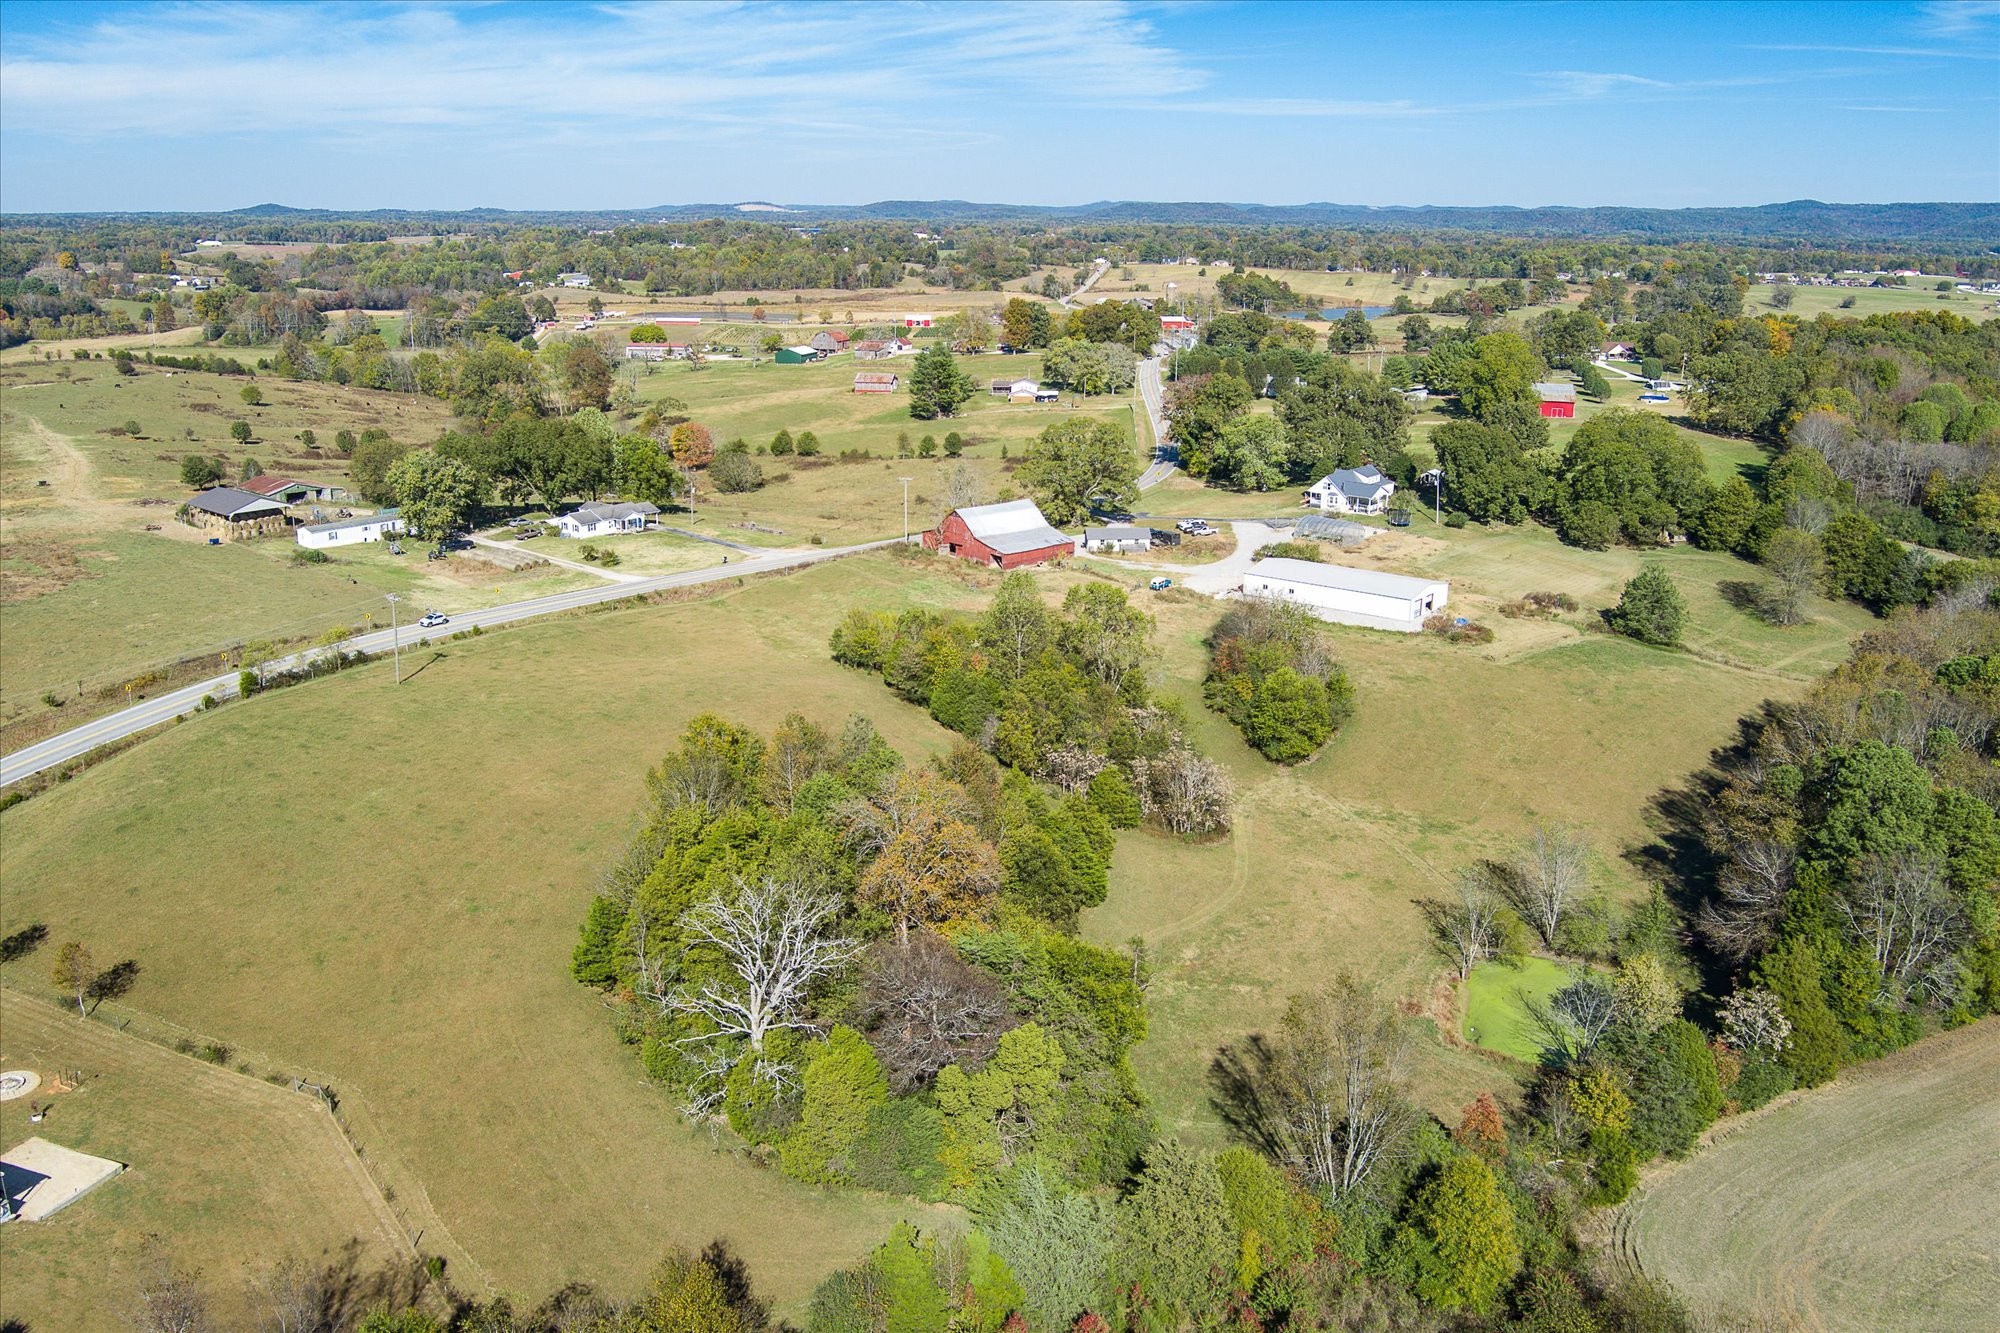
x=358 y=1121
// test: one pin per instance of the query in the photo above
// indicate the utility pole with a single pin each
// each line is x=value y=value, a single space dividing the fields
x=906 y=509
x=395 y=636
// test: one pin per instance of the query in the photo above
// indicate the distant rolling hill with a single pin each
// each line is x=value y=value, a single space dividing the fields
x=1948 y=224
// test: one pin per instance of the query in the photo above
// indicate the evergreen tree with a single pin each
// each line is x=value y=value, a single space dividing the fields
x=595 y=961
x=937 y=386
x=1650 y=609
x=1174 y=1229
x=841 y=1086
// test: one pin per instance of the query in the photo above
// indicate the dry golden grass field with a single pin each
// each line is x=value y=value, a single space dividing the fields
x=1864 y=1206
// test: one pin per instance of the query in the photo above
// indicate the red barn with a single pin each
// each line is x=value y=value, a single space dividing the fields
x=1558 y=400
x=1005 y=536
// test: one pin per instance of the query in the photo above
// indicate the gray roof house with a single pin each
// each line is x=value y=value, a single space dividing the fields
x=1351 y=490
x=598 y=519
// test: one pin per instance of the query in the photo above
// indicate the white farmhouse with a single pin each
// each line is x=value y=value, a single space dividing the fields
x=348 y=531
x=1366 y=597
x=1351 y=490
x=605 y=520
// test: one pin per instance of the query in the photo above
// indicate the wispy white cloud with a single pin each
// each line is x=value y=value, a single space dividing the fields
x=1957 y=18
x=337 y=70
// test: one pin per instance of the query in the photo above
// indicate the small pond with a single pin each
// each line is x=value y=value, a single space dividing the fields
x=1334 y=312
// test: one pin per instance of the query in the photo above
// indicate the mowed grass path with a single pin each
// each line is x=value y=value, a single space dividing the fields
x=1864 y=1206
x=225 y=1167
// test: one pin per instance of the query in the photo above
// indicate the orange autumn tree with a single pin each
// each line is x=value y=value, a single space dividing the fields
x=931 y=865
x=1481 y=1129
x=692 y=445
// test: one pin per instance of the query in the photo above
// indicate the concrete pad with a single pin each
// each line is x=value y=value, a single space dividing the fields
x=43 y=1178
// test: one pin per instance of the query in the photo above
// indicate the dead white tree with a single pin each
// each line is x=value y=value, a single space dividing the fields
x=1185 y=791
x=1750 y=898
x=776 y=940
x=1903 y=909
x=1337 y=1072
x=1576 y=1018
x=1550 y=875
x=1464 y=928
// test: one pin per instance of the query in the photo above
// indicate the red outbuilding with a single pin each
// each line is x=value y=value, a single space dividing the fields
x=1005 y=536
x=1558 y=400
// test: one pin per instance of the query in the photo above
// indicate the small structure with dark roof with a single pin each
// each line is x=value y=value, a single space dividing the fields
x=1005 y=536
x=231 y=513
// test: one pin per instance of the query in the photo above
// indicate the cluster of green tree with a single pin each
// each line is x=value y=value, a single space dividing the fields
x=1344 y=1207
x=1078 y=465
x=55 y=307
x=1244 y=290
x=870 y=969
x=1271 y=671
x=1331 y=414
x=582 y=456
x=1063 y=697
x=1853 y=851
x=1090 y=368
x=938 y=387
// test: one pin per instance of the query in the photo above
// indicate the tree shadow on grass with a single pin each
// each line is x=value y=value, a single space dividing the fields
x=1745 y=596
x=23 y=942
x=1681 y=858
x=1238 y=1079
x=114 y=982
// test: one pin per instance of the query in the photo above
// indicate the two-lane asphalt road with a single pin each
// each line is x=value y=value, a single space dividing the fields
x=1166 y=454
x=81 y=740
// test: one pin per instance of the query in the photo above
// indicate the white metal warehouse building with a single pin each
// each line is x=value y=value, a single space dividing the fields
x=1366 y=597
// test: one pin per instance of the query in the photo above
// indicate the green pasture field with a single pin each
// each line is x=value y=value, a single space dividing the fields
x=234 y=1172
x=466 y=812
x=1496 y=1015
x=126 y=601
x=1921 y=294
x=1865 y=1205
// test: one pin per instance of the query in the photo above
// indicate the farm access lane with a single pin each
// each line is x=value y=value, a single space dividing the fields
x=78 y=741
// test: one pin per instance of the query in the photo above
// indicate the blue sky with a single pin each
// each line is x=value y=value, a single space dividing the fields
x=438 y=105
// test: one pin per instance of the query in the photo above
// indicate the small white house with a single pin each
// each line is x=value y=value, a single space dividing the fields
x=1118 y=538
x=573 y=279
x=348 y=531
x=1346 y=596
x=1351 y=490
x=605 y=520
